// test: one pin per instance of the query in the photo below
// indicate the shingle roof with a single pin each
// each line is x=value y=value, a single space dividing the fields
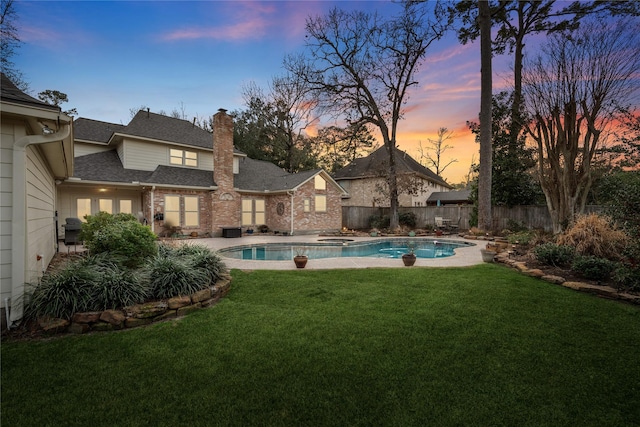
x=449 y=196
x=163 y=128
x=10 y=93
x=254 y=175
x=373 y=164
x=106 y=166
x=94 y=130
x=170 y=175
x=259 y=175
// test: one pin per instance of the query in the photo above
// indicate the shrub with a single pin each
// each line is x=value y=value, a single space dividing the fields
x=379 y=221
x=173 y=276
x=596 y=236
x=627 y=277
x=522 y=237
x=203 y=258
x=99 y=221
x=593 y=268
x=408 y=219
x=62 y=293
x=553 y=254
x=116 y=288
x=128 y=242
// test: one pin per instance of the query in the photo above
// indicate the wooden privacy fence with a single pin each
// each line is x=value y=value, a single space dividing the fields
x=532 y=217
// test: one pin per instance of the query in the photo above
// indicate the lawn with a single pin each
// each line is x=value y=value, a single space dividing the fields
x=391 y=347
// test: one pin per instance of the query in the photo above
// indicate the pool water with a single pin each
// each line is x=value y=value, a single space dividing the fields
x=392 y=248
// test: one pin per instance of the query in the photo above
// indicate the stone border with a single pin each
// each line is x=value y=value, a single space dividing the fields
x=602 y=291
x=139 y=314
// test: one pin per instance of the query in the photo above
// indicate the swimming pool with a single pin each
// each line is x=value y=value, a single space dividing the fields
x=387 y=248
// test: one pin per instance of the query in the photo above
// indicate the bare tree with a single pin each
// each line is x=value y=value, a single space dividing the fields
x=9 y=42
x=573 y=90
x=362 y=67
x=438 y=147
x=485 y=219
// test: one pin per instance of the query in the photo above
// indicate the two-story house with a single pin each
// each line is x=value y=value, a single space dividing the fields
x=365 y=181
x=175 y=175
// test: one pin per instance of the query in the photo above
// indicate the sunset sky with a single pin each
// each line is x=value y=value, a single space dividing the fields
x=110 y=57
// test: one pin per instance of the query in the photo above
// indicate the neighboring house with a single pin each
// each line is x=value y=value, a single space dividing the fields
x=37 y=153
x=176 y=176
x=444 y=198
x=365 y=180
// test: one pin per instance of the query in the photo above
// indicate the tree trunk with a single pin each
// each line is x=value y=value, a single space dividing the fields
x=484 y=178
x=393 y=188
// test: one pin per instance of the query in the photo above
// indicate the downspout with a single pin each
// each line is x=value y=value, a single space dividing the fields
x=19 y=222
x=153 y=220
x=291 y=193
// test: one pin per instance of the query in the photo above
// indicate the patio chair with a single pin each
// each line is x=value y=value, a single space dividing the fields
x=439 y=223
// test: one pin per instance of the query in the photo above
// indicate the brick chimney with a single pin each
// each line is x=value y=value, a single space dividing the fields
x=223 y=150
x=225 y=202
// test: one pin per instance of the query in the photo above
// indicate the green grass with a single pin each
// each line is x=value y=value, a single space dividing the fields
x=391 y=347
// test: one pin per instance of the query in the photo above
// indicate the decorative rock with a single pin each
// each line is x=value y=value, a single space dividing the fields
x=536 y=272
x=521 y=266
x=169 y=314
x=188 y=309
x=553 y=279
x=79 y=328
x=133 y=322
x=53 y=325
x=606 y=291
x=102 y=327
x=149 y=309
x=88 y=317
x=209 y=302
x=201 y=295
x=114 y=317
x=177 y=302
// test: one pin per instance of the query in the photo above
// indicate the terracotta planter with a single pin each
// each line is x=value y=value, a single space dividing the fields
x=409 y=259
x=438 y=232
x=300 y=260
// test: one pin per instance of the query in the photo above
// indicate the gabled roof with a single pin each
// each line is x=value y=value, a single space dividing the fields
x=163 y=128
x=149 y=126
x=260 y=175
x=254 y=175
x=11 y=93
x=95 y=130
x=377 y=162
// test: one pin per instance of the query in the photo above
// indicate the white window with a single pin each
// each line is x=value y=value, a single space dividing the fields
x=259 y=218
x=253 y=212
x=183 y=157
x=307 y=205
x=126 y=206
x=320 y=183
x=247 y=212
x=105 y=205
x=191 y=211
x=172 y=210
x=321 y=203
x=83 y=208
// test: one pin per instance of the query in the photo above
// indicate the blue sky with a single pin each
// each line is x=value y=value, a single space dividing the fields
x=112 y=56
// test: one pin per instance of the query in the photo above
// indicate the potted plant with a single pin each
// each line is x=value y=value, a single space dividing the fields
x=488 y=253
x=410 y=257
x=301 y=257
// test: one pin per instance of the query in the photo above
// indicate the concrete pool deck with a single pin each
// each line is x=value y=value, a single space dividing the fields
x=464 y=256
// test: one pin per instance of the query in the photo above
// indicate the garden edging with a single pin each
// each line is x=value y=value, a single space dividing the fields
x=139 y=314
x=600 y=290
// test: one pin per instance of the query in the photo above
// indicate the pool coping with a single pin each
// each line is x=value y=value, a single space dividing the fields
x=464 y=256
